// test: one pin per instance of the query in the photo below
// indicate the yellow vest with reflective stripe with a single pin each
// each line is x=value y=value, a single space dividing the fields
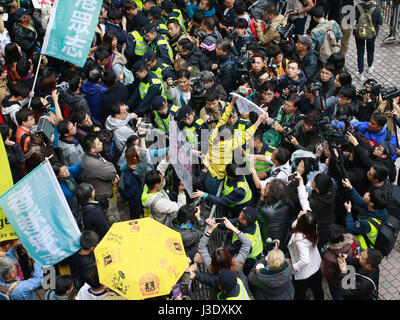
x=256 y=242
x=191 y=134
x=179 y=18
x=262 y=166
x=242 y=295
x=145 y=197
x=371 y=235
x=141 y=45
x=161 y=42
x=162 y=124
x=241 y=184
x=139 y=3
x=144 y=87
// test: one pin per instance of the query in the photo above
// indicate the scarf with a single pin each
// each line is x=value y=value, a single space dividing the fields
x=70 y=182
x=186 y=226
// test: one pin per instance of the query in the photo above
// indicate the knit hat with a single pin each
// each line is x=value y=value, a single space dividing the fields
x=306 y=39
x=227 y=279
x=251 y=213
x=158 y=102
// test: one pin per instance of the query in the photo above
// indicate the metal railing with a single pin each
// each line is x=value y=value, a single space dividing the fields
x=217 y=239
x=391 y=14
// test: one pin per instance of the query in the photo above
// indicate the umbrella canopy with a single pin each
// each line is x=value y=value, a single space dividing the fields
x=140 y=258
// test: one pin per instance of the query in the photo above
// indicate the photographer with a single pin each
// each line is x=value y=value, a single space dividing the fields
x=329 y=106
x=309 y=58
x=294 y=81
x=258 y=70
x=225 y=68
x=241 y=36
x=193 y=55
x=208 y=80
x=180 y=95
x=276 y=64
x=274 y=19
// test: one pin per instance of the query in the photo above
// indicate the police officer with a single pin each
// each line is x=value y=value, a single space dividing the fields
x=162 y=70
x=169 y=11
x=149 y=87
x=191 y=126
x=162 y=112
x=158 y=21
x=158 y=44
x=236 y=193
x=136 y=46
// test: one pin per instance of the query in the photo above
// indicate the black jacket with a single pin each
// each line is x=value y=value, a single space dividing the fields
x=118 y=92
x=25 y=38
x=226 y=72
x=364 y=288
x=94 y=219
x=196 y=58
x=275 y=221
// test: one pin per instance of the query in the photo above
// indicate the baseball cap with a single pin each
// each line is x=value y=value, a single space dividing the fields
x=138 y=66
x=251 y=213
x=149 y=55
x=21 y=12
x=388 y=148
x=155 y=10
x=227 y=279
x=306 y=39
x=185 y=112
x=149 y=27
x=158 y=102
x=165 y=4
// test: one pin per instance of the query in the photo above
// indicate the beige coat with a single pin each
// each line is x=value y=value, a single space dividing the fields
x=384 y=107
x=271 y=35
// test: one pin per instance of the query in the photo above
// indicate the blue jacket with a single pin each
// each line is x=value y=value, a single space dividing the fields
x=93 y=93
x=119 y=33
x=192 y=8
x=356 y=199
x=377 y=136
x=25 y=290
x=74 y=171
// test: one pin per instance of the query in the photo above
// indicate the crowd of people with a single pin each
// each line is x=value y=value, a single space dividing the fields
x=301 y=188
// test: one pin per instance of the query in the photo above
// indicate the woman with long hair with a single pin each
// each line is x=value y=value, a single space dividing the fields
x=12 y=54
x=275 y=214
x=117 y=60
x=305 y=257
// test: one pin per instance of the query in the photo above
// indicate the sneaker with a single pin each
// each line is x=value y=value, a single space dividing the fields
x=370 y=69
x=360 y=76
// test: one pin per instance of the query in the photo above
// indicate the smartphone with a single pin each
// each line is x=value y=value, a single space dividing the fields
x=176 y=290
x=185 y=288
x=219 y=220
x=292 y=177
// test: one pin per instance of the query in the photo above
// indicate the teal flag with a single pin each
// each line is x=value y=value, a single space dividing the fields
x=71 y=30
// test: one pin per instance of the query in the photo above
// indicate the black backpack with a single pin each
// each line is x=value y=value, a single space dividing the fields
x=110 y=150
x=387 y=234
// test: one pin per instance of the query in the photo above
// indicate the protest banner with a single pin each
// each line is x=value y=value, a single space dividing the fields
x=39 y=213
x=71 y=28
x=6 y=182
x=180 y=156
x=245 y=105
x=41 y=4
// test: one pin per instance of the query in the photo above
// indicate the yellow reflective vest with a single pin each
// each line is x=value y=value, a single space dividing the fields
x=238 y=184
x=242 y=295
x=256 y=242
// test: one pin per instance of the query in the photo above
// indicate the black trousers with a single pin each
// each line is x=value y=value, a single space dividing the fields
x=314 y=282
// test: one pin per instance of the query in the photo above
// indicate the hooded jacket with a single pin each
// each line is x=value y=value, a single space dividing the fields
x=76 y=102
x=71 y=151
x=93 y=93
x=9 y=108
x=121 y=131
x=329 y=265
x=272 y=285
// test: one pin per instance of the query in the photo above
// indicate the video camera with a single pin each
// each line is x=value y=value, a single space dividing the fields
x=285 y=32
x=197 y=87
x=243 y=61
x=316 y=86
x=292 y=88
x=7 y=5
x=386 y=93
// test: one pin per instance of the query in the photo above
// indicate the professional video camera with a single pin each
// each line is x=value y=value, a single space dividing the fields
x=197 y=87
x=286 y=32
x=62 y=88
x=389 y=93
x=243 y=61
x=6 y=4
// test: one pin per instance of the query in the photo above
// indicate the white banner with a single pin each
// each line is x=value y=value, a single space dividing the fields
x=245 y=105
x=180 y=156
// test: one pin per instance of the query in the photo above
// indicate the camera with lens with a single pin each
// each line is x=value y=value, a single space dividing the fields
x=62 y=88
x=389 y=93
x=375 y=90
x=286 y=31
x=271 y=65
x=144 y=123
x=6 y=5
x=292 y=88
x=316 y=86
x=287 y=132
x=195 y=204
x=197 y=87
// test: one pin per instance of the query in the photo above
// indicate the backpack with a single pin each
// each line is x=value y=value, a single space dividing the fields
x=110 y=150
x=365 y=29
x=387 y=234
x=329 y=44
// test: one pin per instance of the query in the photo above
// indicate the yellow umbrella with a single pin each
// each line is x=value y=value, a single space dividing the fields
x=140 y=258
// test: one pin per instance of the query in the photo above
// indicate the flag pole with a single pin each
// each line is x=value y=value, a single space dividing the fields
x=36 y=75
